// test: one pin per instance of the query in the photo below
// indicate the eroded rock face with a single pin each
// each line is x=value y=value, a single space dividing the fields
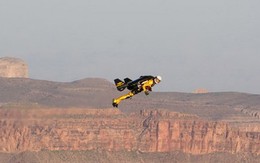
x=13 y=67
x=110 y=130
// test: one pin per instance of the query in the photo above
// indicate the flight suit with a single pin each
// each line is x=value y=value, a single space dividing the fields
x=145 y=86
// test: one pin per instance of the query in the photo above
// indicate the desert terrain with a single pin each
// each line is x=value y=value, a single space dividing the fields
x=45 y=121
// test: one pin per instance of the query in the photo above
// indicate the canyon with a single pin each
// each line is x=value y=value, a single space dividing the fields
x=40 y=117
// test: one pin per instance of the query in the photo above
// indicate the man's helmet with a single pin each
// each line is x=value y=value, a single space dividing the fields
x=158 y=79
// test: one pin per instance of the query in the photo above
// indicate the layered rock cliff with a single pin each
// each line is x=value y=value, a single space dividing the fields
x=111 y=130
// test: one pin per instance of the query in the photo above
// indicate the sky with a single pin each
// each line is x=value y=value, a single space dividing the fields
x=211 y=44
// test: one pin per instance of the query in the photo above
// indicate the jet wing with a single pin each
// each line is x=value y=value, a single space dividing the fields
x=127 y=80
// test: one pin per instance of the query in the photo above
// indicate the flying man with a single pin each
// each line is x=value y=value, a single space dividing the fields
x=144 y=83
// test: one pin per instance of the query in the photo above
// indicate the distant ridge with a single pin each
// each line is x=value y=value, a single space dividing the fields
x=98 y=93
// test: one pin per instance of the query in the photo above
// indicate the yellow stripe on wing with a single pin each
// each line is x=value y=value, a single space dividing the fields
x=119 y=84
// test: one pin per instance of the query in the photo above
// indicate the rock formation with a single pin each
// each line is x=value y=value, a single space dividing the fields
x=200 y=90
x=110 y=130
x=13 y=67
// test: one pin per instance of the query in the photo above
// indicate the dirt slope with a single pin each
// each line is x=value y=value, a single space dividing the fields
x=98 y=93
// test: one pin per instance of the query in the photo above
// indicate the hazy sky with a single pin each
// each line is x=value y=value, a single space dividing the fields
x=212 y=44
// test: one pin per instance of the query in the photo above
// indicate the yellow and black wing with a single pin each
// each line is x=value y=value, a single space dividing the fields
x=120 y=85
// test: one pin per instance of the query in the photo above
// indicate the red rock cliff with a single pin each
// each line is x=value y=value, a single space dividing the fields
x=109 y=129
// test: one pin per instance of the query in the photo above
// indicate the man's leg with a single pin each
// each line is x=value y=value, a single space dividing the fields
x=119 y=99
